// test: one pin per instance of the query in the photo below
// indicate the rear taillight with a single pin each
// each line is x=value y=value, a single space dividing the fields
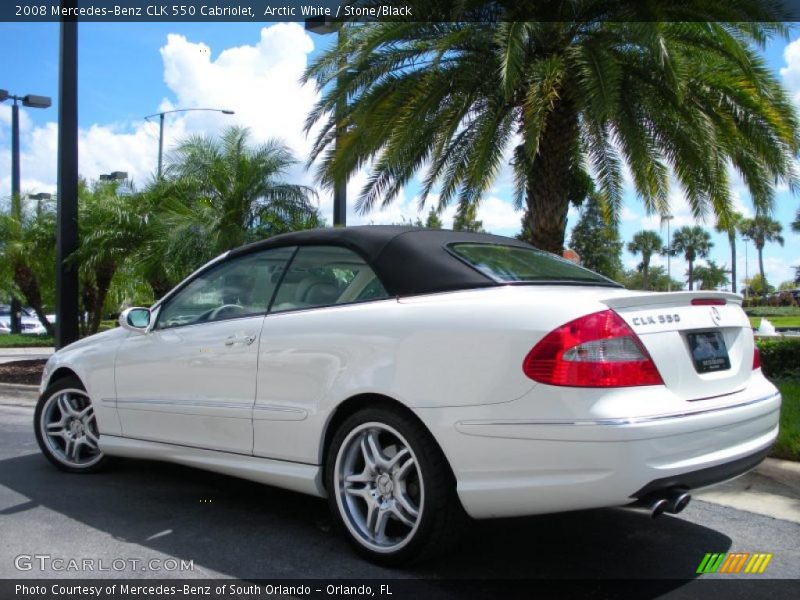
x=756 y=358
x=598 y=350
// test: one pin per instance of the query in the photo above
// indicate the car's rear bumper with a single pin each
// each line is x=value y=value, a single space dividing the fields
x=512 y=467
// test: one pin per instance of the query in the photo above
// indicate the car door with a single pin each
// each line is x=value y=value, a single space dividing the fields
x=191 y=379
x=312 y=336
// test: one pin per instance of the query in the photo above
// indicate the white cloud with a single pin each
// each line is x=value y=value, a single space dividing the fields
x=791 y=72
x=259 y=82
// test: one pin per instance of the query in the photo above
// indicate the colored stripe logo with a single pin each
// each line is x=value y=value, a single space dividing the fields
x=734 y=562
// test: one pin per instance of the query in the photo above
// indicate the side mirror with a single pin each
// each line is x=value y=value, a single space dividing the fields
x=135 y=319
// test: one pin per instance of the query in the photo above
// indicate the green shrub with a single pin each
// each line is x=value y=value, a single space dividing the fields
x=772 y=311
x=788 y=444
x=780 y=357
x=25 y=341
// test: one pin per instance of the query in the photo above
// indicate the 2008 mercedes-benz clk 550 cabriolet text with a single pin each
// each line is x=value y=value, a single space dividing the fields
x=411 y=376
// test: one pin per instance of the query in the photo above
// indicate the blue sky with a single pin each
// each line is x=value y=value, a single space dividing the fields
x=129 y=70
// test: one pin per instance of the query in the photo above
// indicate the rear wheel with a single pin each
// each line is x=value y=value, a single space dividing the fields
x=390 y=488
x=66 y=427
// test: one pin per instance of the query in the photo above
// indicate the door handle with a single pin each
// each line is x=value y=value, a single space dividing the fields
x=243 y=339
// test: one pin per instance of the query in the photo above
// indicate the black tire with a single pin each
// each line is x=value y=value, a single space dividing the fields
x=51 y=447
x=440 y=515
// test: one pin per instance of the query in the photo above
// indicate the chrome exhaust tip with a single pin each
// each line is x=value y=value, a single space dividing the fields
x=653 y=507
x=658 y=507
x=677 y=501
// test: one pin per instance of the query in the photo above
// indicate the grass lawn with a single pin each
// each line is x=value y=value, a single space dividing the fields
x=25 y=341
x=778 y=321
x=788 y=444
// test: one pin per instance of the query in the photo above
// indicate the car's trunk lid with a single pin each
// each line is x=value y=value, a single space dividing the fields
x=701 y=342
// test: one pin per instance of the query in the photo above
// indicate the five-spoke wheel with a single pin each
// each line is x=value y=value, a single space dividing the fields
x=66 y=428
x=390 y=487
x=378 y=485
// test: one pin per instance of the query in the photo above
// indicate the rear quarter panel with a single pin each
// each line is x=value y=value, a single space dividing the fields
x=442 y=350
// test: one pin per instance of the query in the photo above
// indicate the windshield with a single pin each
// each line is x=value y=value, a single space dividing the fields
x=515 y=264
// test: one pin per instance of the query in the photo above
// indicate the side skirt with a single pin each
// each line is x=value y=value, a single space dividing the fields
x=306 y=479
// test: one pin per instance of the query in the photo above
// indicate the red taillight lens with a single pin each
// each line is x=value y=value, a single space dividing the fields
x=598 y=350
x=756 y=358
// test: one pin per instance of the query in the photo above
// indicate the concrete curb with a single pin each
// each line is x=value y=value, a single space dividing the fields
x=17 y=394
x=26 y=351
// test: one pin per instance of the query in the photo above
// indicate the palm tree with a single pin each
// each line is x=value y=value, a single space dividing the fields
x=646 y=243
x=27 y=258
x=711 y=276
x=222 y=193
x=762 y=229
x=730 y=225
x=610 y=84
x=694 y=242
x=796 y=222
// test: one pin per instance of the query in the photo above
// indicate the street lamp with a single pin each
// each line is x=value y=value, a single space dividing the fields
x=29 y=101
x=668 y=217
x=40 y=197
x=114 y=176
x=324 y=26
x=160 y=116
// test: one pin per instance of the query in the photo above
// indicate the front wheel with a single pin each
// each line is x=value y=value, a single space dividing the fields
x=66 y=427
x=390 y=488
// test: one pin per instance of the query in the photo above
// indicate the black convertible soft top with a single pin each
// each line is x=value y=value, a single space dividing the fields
x=407 y=260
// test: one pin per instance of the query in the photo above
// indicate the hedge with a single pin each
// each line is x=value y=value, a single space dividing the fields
x=780 y=356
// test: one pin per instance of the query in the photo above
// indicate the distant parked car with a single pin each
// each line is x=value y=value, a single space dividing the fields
x=30 y=324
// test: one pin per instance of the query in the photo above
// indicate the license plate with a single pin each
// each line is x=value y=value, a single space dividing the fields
x=708 y=351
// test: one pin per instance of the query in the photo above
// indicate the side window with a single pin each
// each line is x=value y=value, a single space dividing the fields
x=325 y=276
x=238 y=288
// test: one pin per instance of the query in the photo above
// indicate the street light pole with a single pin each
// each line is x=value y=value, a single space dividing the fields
x=67 y=330
x=160 y=116
x=30 y=101
x=668 y=217
x=324 y=26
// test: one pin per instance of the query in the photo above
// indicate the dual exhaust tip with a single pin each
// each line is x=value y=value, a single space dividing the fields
x=671 y=501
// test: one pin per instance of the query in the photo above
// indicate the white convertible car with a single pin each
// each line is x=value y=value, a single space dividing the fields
x=411 y=376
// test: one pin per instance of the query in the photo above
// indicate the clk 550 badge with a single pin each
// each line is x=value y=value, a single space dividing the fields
x=656 y=319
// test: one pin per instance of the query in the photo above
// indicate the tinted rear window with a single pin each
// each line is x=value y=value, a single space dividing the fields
x=514 y=264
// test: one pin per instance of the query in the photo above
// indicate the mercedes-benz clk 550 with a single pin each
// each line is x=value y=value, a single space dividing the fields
x=413 y=377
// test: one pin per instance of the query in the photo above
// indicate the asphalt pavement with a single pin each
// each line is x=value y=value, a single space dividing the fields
x=226 y=527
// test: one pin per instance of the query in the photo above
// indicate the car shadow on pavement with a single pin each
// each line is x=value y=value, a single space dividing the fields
x=246 y=530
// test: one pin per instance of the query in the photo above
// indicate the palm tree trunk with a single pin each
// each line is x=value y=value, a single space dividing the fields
x=733 y=262
x=691 y=275
x=547 y=189
x=26 y=281
x=761 y=270
x=645 y=272
x=103 y=276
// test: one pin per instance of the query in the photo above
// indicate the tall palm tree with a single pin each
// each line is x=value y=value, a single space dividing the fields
x=27 y=258
x=611 y=84
x=646 y=243
x=221 y=193
x=762 y=229
x=730 y=225
x=694 y=242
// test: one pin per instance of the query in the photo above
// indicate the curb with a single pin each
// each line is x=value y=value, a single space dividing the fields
x=25 y=351
x=17 y=394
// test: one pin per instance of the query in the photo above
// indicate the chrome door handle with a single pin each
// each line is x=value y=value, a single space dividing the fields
x=244 y=339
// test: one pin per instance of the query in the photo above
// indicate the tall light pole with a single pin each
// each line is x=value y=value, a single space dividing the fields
x=67 y=329
x=160 y=116
x=668 y=217
x=29 y=101
x=323 y=26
